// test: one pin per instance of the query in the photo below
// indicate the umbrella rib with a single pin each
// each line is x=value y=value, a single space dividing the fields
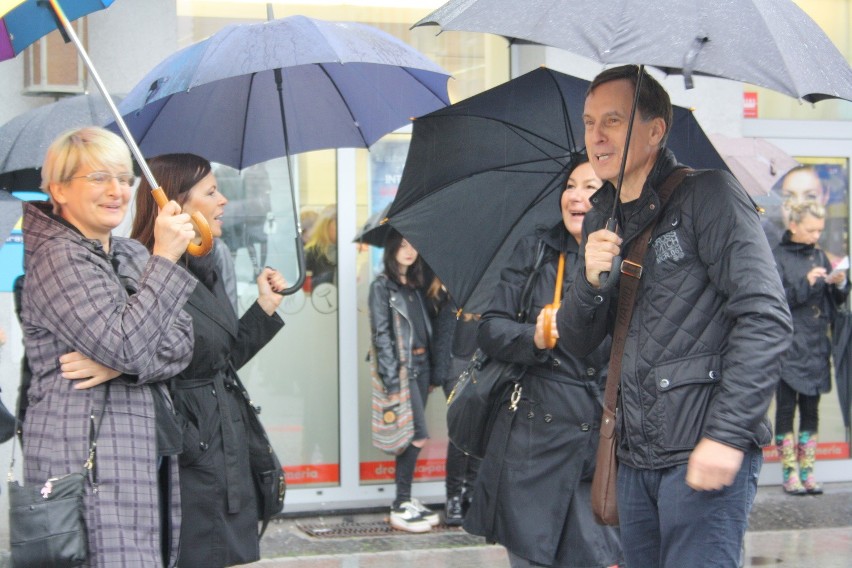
x=245 y=122
x=428 y=88
x=345 y=103
x=506 y=167
x=567 y=116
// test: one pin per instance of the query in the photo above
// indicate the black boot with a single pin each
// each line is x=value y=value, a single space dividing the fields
x=453 y=514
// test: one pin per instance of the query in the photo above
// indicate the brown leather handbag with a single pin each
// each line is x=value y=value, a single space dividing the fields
x=604 y=505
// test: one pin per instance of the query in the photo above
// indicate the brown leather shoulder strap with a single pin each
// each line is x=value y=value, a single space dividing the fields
x=631 y=270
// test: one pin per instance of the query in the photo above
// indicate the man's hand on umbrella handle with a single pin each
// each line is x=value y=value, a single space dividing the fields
x=601 y=247
x=713 y=465
x=204 y=233
x=173 y=231
x=546 y=333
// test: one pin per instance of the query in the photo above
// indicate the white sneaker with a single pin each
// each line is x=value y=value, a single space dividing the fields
x=407 y=518
x=428 y=514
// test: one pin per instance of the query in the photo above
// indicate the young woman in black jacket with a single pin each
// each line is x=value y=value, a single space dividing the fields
x=401 y=335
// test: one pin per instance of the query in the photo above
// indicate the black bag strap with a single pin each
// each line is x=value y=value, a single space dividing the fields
x=631 y=267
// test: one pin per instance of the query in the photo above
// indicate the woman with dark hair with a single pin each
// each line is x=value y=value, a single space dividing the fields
x=533 y=490
x=401 y=334
x=217 y=489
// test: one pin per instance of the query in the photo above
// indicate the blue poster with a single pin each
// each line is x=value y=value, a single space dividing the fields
x=387 y=160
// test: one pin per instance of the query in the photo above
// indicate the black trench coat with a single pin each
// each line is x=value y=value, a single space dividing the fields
x=219 y=508
x=806 y=367
x=532 y=494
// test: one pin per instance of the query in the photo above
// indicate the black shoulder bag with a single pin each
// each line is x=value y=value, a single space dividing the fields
x=270 y=485
x=47 y=524
x=474 y=402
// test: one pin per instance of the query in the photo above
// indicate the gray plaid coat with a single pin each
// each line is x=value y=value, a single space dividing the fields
x=76 y=299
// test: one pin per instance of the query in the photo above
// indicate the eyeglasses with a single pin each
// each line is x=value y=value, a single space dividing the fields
x=103 y=178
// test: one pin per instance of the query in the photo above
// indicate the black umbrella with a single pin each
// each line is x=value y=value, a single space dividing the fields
x=484 y=172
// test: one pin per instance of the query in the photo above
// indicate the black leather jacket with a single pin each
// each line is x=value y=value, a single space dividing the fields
x=703 y=350
x=390 y=325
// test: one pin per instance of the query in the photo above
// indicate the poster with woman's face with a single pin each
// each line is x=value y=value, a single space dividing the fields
x=819 y=179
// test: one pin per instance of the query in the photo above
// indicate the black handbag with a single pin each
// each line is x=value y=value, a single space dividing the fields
x=270 y=485
x=482 y=388
x=47 y=524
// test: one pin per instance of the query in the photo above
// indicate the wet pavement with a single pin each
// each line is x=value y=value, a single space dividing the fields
x=785 y=532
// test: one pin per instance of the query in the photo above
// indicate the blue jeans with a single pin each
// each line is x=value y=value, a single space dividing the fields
x=665 y=523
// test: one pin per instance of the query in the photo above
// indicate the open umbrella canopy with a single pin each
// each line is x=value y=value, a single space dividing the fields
x=342 y=84
x=24 y=139
x=756 y=163
x=25 y=21
x=770 y=43
x=504 y=156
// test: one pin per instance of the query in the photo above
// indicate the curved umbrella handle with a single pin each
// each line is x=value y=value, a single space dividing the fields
x=200 y=223
x=550 y=309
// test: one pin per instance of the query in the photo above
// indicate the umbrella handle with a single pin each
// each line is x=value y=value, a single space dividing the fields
x=200 y=224
x=550 y=309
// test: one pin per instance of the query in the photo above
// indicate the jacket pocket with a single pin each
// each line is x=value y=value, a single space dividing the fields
x=685 y=389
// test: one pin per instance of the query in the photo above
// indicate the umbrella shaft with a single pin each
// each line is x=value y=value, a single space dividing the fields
x=627 y=140
x=131 y=143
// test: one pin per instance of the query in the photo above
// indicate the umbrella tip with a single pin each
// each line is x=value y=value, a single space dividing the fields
x=412 y=118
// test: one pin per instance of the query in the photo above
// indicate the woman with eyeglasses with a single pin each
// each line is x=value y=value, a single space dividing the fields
x=103 y=326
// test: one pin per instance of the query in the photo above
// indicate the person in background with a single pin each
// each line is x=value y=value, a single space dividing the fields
x=321 y=249
x=401 y=334
x=709 y=324
x=814 y=294
x=533 y=490
x=453 y=344
x=104 y=325
x=216 y=484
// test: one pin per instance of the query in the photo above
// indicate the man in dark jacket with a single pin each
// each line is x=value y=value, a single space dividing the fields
x=701 y=358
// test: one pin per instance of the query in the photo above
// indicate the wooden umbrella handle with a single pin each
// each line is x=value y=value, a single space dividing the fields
x=200 y=224
x=550 y=309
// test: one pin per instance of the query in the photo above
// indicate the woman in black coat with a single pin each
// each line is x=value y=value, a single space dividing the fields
x=220 y=514
x=533 y=491
x=814 y=292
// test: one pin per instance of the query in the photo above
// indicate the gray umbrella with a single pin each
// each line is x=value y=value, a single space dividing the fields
x=770 y=43
x=25 y=138
x=755 y=162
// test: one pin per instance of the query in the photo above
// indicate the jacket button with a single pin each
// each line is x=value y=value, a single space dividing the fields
x=548 y=418
x=713 y=374
x=213 y=392
x=555 y=362
x=652 y=207
x=664 y=383
x=531 y=415
x=203 y=446
x=591 y=371
x=585 y=427
x=598 y=299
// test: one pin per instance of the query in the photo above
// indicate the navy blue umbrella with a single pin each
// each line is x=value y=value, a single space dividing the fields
x=254 y=92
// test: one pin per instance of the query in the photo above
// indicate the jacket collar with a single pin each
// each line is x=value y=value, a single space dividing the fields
x=215 y=306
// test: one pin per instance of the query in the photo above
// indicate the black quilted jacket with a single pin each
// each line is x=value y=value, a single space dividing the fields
x=709 y=327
